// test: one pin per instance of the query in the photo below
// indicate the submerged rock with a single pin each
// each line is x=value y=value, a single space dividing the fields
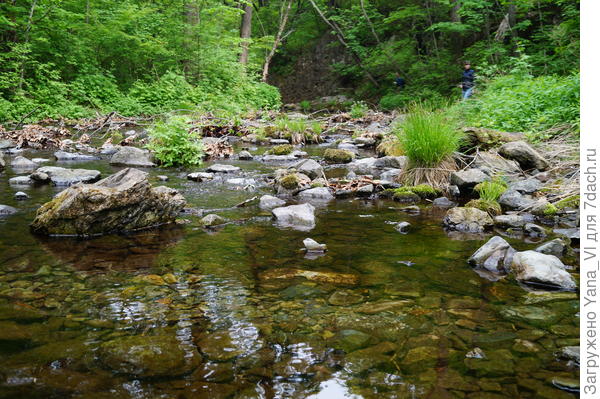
x=494 y=256
x=132 y=156
x=124 y=201
x=403 y=227
x=301 y=217
x=344 y=298
x=321 y=277
x=524 y=154
x=65 y=177
x=468 y=220
x=149 y=356
x=535 y=268
x=23 y=163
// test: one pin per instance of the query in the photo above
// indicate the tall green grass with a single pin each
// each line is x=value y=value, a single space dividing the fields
x=491 y=190
x=427 y=137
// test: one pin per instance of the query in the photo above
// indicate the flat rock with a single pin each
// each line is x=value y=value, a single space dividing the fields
x=443 y=202
x=310 y=168
x=512 y=220
x=66 y=177
x=124 y=201
x=300 y=217
x=524 y=154
x=495 y=164
x=20 y=181
x=468 y=178
x=200 y=176
x=221 y=168
x=513 y=199
x=527 y=186
x=313 y=246
x=468 y=220
x=268 y=202
x=279 y=141
x=319 y=194
x=288 y=273
x=72 y=156
x=132 y=156
x=538 y=269
x=364 y=166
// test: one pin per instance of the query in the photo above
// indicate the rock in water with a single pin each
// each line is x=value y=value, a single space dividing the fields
x=494 y=256
x=132 y=156
x=268 y=202
x=300 y=217
x=121 y=202
x=310 y=168
x=313 y=246
x=539 y=269
x=468 y=220
x=64 y=176
x=2 y=162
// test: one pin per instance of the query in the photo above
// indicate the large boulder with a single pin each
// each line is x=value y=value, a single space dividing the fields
x=468 y=178
x=494 y=256
x=300 y=217
x=524 y=154
x=63 y=176
x=149 y=356
x=494 y=163
x=468 y=220
x=310 y=168
x=132 y=156
x=538 y=269
x=124 y=201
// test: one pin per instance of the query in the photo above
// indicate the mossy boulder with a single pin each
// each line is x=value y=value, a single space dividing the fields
x=149 y=356
x=290 y=182
x=282 y=149
x=492 y=208
x=425 y=191
x=333 y=155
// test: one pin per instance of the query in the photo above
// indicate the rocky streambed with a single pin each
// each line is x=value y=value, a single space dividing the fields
x=407 y=300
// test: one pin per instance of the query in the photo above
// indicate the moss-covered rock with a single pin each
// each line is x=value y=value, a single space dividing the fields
x=290 y=182
x=425 y=191
x=491 y=207
x=283 y=149
x=338 y=156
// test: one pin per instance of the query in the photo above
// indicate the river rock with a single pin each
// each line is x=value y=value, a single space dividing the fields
x=572 y=233
x=317 y=194
x=220 y=168
x=468 y=178
x=494 y=256
x=533 y=230
x=557 y=247
x=300 y=217
x=288 y=273
x=200 y=176
x=71 y=156
x=21 y=181
x=494 y=163
x=512 y=220
x=65 y=177
x=364 y=166
x=6 y=210
x=535 y=268
x=310 y=168
x=268 y=202
x=513 y=199
x=390 y=175
x=313 y=246
x=443 y=202
x=124 y=201
x=524 y=154
x=527 y=186
x=23 y=163
x=5 y=144
x=20 y=195
x=211 y=220
x=403 y=227
x=2 y=162
x=132 y=156
x=351 y=340
x=468 y=220
x=344 y=298
x=245 y=156
x=533 y=315
x=344 y=145
x=570 y=353
x=149 y=356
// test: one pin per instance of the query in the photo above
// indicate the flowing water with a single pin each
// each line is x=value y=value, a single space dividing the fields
x=213 y=322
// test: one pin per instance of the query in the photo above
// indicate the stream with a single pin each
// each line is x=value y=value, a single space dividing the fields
x=214 y=324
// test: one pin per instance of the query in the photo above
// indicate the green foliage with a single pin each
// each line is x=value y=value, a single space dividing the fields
x=491 y=190
x=283 y=149
x=424 y=191
x=359 y=110
x=173 y=144
x=490 y=206
x=335 y=155
x=305 y=105
x=427 y=137
x=521 y=103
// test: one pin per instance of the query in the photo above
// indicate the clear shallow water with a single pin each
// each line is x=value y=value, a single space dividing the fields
x=210 y=301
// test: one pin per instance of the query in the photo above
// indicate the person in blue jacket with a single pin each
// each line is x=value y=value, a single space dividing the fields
x=400 y=82
x=467 y=81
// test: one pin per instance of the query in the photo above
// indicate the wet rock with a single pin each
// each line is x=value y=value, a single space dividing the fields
x=528 y=186
x=300 y=217
x=364 y=359
x=2 y=162
x=351 y=340
x=443 y=202
x=20 y=312
x=214 y=372
x=218 y=346
x=469 y=220
x=344 y=298
x=566 y=384
x=301 y=291
x=40 y=160
x=532 y=315
x=13 y=332
x=317 y=194
x=557 y=247
x=525 y=346
x=364 y=166
x=383 y=306
x=475 y=353
x=124 y=201
x=20 y=195
x=570 y=353
x=288 y=273
x=162 y=178
x=515 y=200
x=313 y=246
x=23 y=163
x=200 y=176
x=219 y=168
x=279 y=141
x=497 y=363
x=365 y=190
x=245 y=156
x=365 y=141
x=337 y=156
x=512 y=220
x=278 y=158
x=533 y=230
x=4 y=144
x=6 y=210
x=403 y=227
x=211 y=220
x=248 y=184
x=524 y=154
x=420 y=359
x=299 y=154
x=348 y=147
x=268 y=202
x=538 y=269
x=132 y=156
x=71 y=156
x=66 y=177
x=468 y=178
x=310 y=168
x=494 y=256
x=149 y=356
x=572 y=233
x=290 y=183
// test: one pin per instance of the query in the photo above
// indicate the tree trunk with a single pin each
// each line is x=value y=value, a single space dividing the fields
x=283 y=18
x=246 y=32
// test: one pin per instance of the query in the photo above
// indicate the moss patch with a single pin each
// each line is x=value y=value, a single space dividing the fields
x=338 y=156
x=491 y=207
x=283 y=149
x=290 y=182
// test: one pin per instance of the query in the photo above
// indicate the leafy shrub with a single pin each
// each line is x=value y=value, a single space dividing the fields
x=305 y=105
x=358 y=110
x=172 y=143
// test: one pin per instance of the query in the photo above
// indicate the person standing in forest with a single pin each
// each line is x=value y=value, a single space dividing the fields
x=467 y=81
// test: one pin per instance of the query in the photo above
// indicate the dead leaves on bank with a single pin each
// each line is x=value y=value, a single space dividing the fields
x=37 y=136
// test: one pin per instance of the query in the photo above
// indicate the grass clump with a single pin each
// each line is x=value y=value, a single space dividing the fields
x=298 y=131
x=358 y=110
x=305 y=105
x=338 y=156
x=569 y=202
x=283 y=149
x=390 y=146
x=428 y=139
x=491 y=207
x=173 y=144
x=491 y=190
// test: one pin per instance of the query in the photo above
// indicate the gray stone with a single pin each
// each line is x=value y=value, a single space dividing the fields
x=347 y=146
x=220 y=168
x=200 y=176
x=313 y=246
x=245 y=156
x=512 y=220
x=279 y=141
x=365 y=141
x=20 y=195
x=524 y=154
x=557 y=247
x=403 y=227
x=2 y=162
x=124 y=201
x=391 y=162
x=572 y=233
x=278 y=158
x=454 y=191
x=299 y=154
x=23 y=163
x=315 y=194
x=527 y=186
x=443 y=202
x=70 y=156
x=494 y=256
x=494 y=163
x=211 y=220
x=363 y=166
x=241 y=181
x=533 y=230
x=535 y=268
x=515 y=200
x=468 y=178
x=365 y=190
x=20 y=181
x=300 y=217
x=468 y=220
x=40 y=160
x=162 y=177
x=4 y=144
x=310 y=168
x=268 y=202
x=66 y=177
x=132 y=156
x=570 y=353
x=6 y=210
x=390 y=175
